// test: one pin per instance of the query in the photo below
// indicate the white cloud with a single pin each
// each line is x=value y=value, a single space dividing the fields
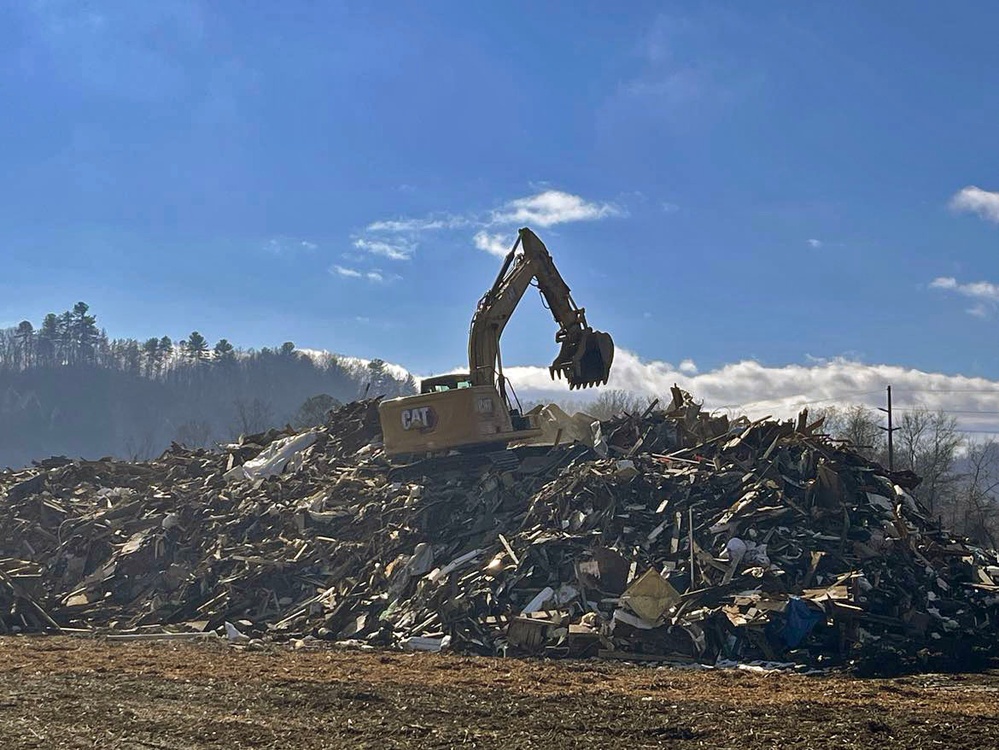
x=426 y=224
x=285 y=246
x=374 y=275
x=404 y=225
x=757 y=390
x=347 y=273
x=985 y=293
x=396 y=239
x=980 y=289
x=494 y=244
x=814 y=243
x=977 y=201
x=546 y=208
x=398 y=250
x=670 y=208
x=552 y=207
x=688 y=367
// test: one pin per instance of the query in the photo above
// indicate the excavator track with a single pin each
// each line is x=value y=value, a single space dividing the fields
x=524 y=459
x=459 y=463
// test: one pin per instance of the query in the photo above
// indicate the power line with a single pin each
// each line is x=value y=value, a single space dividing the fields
x=945 y=411
x=953 y=390
x=800 y=403
x=910 y=409
x=838 y=398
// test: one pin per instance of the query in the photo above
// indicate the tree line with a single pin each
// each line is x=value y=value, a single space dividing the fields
x=960 y=477
x=68 y=388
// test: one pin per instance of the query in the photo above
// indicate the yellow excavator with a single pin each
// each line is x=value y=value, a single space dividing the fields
x=472 y=411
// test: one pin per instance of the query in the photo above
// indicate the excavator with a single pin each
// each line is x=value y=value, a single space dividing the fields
x=472 y=411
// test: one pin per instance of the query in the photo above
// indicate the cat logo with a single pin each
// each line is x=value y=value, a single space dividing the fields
x=422 y=418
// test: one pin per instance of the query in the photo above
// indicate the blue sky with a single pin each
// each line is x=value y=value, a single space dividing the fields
x=783 y=186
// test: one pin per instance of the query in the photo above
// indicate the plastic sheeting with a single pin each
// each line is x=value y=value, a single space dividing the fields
x=275 y=458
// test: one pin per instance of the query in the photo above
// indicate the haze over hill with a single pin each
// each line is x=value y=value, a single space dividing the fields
x=67 y=387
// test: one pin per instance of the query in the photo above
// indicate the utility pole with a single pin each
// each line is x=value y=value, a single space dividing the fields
x=890 y=430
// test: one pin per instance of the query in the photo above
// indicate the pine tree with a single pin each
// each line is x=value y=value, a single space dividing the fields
x=65 y=348
x=84 y=333
x=151 y=355
x=25 y=334
x=224 y=353
x=196 y=347
x=131 y=356
x=47 y=340
x=165 y=351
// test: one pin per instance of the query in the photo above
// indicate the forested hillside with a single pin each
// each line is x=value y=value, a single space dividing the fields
x=68 y=388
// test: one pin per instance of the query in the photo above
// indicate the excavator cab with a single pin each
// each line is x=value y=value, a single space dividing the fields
x=584 y=360
x=443 y=383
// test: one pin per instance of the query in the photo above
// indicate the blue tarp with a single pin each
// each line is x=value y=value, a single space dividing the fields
x=800 y=619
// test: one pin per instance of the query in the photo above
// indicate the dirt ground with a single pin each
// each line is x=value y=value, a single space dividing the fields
x=81 y=693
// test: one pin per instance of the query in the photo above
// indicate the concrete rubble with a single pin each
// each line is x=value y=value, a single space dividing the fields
x=683 y=537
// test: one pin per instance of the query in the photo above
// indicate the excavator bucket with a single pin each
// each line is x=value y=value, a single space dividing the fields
x=585 y=360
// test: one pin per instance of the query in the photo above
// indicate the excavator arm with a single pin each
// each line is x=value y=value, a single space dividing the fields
x=585 y=355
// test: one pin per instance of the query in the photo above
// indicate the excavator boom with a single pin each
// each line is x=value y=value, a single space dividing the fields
x=585 y=355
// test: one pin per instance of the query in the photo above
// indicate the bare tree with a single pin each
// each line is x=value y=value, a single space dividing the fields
x=858 y=425
x=616 y=401
x=927 y=443
x=252 y=415
x=314 y=410
x=975 y=509
x=140 y=447
x=194 y=433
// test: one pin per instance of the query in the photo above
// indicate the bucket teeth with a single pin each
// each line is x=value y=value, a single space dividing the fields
x=584 y=359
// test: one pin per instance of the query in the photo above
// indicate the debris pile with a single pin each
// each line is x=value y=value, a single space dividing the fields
x=680 y=535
